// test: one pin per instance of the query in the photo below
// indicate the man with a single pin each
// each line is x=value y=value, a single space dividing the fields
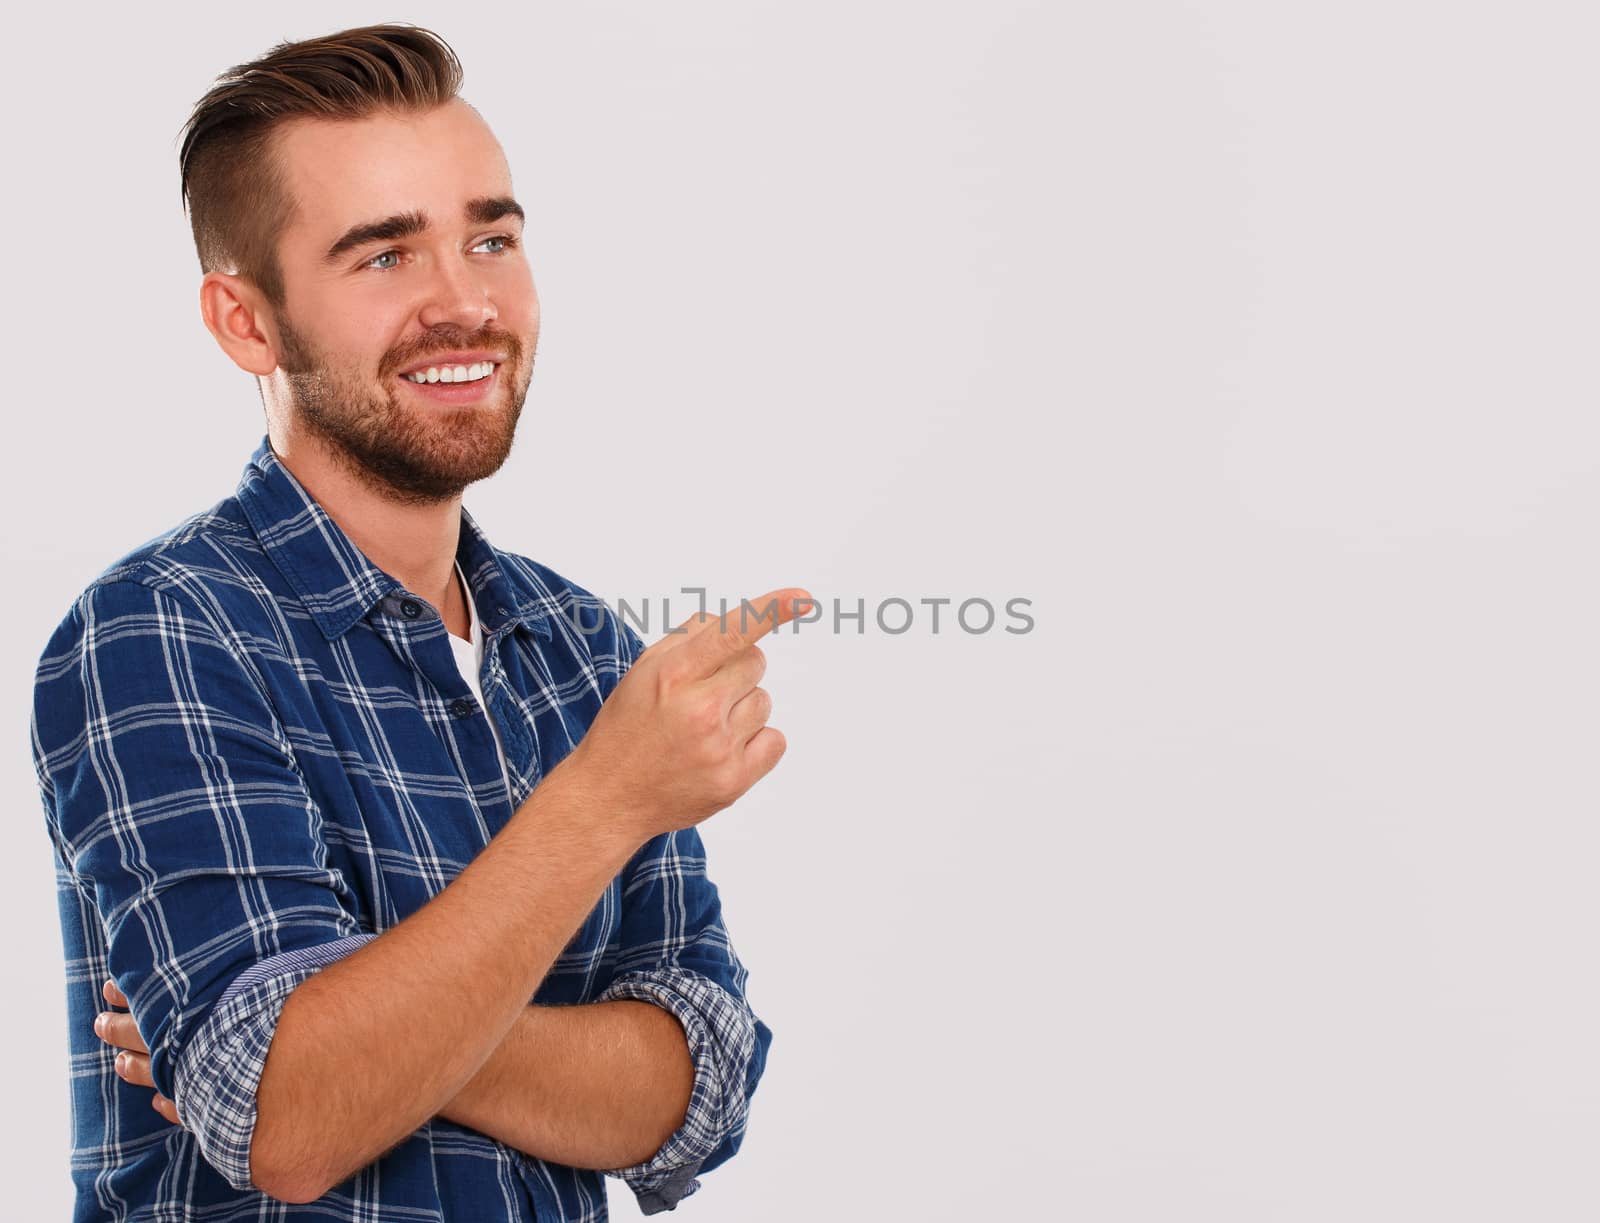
x=336 y=786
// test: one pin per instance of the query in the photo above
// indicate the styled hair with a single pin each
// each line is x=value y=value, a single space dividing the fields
x=233 y=184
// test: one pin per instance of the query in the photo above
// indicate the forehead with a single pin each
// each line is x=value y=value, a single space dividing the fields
x=344 y=172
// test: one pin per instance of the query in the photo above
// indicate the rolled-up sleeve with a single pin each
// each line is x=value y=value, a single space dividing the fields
x=219 y=1069
x=174 y=799
x=676 y=953
x=728 y=1046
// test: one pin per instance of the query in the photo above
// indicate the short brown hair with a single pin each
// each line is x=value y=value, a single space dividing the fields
x=233 y=186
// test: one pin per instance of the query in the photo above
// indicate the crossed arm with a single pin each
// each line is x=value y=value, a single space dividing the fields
x=211 y=922
x=601 y=1085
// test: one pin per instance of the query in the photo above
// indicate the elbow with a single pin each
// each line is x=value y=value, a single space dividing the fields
x=287 y=1185
x=287 y=1178
x=287 y=1192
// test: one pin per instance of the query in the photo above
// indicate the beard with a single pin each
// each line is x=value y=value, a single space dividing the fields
x=413 y=454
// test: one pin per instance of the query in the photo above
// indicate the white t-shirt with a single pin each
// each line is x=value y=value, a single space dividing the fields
x=469 y=657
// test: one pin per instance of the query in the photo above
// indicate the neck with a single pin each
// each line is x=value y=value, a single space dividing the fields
x=416 y=544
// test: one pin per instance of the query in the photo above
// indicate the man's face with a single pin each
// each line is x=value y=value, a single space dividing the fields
x=356 y=321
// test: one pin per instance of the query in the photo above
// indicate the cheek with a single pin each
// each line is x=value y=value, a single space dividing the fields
x=367 y=329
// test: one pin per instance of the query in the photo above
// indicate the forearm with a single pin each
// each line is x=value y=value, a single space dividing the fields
x=601 y=1085
x=372 y=1046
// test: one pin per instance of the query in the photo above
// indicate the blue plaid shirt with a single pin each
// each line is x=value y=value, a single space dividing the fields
x=256 y=751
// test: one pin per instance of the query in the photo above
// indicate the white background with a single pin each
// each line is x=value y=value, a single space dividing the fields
x=1253 y=343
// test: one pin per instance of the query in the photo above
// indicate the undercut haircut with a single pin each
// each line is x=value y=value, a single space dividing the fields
x=233 y=183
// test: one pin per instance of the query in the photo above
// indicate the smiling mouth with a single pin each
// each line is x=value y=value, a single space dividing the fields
x=468 y=390
x=452 y=374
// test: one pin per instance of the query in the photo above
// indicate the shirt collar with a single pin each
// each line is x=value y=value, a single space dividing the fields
x=334 y=578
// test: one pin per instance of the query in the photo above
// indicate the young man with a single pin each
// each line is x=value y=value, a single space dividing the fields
x=336 y=786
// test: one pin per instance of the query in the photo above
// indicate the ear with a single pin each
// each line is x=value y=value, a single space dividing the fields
x=237 y=316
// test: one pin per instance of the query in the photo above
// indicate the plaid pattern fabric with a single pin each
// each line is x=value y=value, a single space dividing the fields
x=256 y=752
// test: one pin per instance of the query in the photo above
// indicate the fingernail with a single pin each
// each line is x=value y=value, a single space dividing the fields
x=122 y=1063
x=100 y=1023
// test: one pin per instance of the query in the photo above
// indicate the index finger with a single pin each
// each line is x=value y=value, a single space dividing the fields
x=741 y=628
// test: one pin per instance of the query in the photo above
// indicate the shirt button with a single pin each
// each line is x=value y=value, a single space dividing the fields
x=410 y=608
x=463 y=708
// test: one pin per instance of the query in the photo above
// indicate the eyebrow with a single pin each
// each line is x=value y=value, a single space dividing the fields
x=479 y=211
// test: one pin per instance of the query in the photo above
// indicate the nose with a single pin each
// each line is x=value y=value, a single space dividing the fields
x=457 y=294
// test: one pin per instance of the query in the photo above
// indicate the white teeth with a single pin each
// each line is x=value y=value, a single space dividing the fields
x=453 y=373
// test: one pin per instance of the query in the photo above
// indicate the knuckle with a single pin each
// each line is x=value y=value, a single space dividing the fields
x=706 y=716
x=760 y=703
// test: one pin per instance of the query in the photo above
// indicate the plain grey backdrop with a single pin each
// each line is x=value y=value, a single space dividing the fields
x=1254 y=343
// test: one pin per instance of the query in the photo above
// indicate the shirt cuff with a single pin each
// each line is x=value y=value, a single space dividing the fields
x=721 y=1033
x=215 y=1077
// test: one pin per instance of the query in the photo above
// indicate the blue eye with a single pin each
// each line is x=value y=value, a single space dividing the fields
x=506 y=243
